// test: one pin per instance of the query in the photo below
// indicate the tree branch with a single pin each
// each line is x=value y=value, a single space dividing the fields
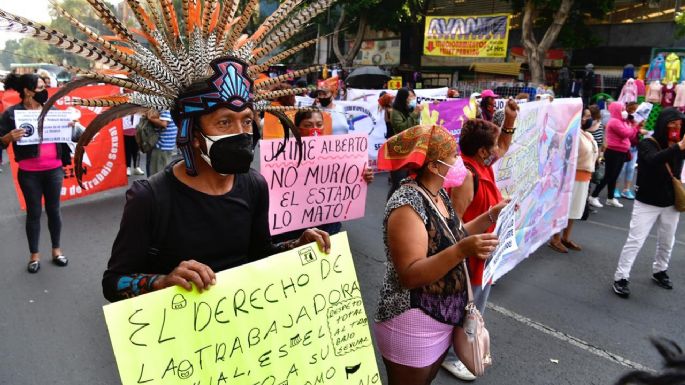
x=527 y=35
x=359 y=38
x=336 y=37
x=552 y=32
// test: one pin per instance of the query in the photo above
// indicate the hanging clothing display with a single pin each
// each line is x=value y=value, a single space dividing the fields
x=641 y=89
x=668 y=95
x=657 y=70
x=679 y=95
x=629 y=92
x=672 y=68
x=654 y=92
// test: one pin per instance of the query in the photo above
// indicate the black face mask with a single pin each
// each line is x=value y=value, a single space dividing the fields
x=231 y=154
x=41 y=97
x=325 y=102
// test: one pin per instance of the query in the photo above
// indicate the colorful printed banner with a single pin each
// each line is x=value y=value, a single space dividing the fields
x=539 y=171
x=451 y=114
x=466 y=36
x=293 y=318
x=327 y=187
x=104 y=160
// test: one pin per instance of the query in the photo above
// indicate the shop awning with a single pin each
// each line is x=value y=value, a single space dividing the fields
x=509 y=69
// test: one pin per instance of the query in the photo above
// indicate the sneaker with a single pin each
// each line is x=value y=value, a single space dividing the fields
x=628 y=194
x=621 y=288
x=128 y=171
x=138 y=171
x=594 y=202
x=613 y=203
x=662 y=279
x=458 y=370
x=617 y=194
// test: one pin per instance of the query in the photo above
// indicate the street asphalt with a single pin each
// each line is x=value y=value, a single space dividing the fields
x=553 y=320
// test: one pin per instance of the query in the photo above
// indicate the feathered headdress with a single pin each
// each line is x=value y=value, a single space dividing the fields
x=211 y=48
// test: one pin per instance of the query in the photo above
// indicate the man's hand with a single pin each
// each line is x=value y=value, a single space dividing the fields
x=368 y=175
x=315 y=235
x=184 y=274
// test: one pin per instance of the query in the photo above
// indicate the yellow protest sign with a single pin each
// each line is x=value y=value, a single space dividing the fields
x=466 y=36
x=296 y=318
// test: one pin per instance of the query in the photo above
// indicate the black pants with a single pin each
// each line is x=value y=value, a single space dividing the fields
x=613 y=163
x=131 y=149
x=36 y=185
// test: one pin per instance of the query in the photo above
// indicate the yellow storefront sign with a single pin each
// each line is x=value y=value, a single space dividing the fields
x=294 y=318
x=467 y=36
x=395 y=83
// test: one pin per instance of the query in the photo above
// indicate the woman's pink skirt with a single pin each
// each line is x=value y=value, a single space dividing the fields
x=413 y=339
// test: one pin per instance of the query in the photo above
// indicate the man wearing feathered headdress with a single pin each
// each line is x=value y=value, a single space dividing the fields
x=209 y=212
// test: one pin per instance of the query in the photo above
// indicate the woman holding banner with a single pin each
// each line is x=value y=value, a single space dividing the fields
x=482 y=143
x=423 y=296
x=40 y=168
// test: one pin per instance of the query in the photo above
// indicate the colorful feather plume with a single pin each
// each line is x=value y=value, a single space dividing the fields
x=164 y=54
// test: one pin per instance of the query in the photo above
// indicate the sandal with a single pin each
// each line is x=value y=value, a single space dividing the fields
x=557 y=248
x=33 y=266
x=571 y=245
x=60 y=260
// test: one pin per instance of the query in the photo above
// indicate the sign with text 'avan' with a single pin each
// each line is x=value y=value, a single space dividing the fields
x=466 y=36
x=326 y=187
x=296 y=318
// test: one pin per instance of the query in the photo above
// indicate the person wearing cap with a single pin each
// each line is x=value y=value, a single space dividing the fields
x=661 y=159
x=487 y=105
x=324 y=98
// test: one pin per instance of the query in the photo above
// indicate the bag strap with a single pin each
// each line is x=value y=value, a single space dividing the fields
x=443 y=221
x=668 y=166
x=162 y=195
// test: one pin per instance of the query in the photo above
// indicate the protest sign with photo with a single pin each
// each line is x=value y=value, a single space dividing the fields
x=294 y=318
x=539 y=171
x=326 y=187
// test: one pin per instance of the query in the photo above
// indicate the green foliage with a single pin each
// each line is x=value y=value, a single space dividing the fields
x=576 y=32
x=679 y=25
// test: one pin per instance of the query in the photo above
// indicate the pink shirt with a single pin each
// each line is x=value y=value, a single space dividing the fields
x=47 y=160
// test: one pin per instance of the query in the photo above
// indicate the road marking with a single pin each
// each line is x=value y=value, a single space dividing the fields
x=627 y=230
x=570 y=339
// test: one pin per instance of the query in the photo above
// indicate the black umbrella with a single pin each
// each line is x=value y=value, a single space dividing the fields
x=367 y=77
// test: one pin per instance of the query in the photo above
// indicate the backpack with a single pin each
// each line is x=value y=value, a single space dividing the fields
x=160 y=185
x=147 y=135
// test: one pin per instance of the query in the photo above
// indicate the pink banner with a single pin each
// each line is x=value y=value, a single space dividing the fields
x=327 y=187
